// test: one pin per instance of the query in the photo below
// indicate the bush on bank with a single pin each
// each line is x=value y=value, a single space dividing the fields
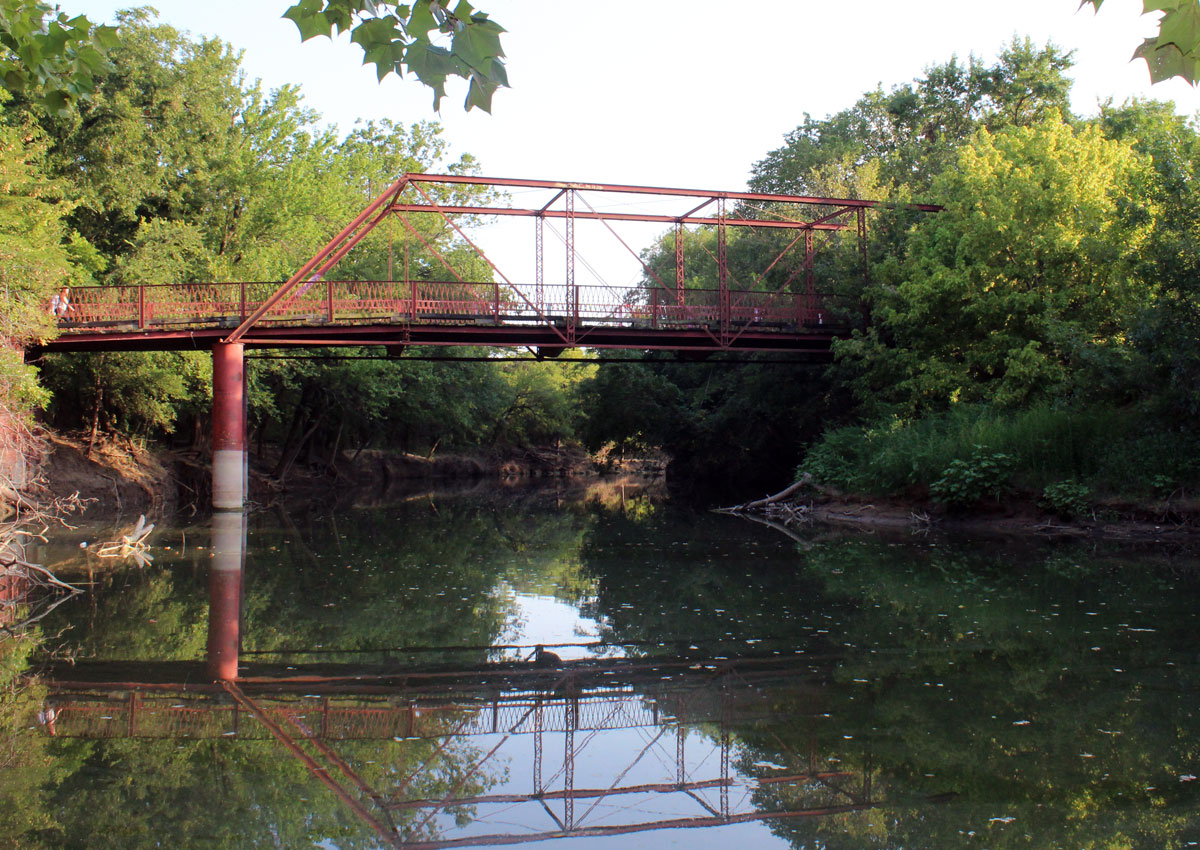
x=1107 y=453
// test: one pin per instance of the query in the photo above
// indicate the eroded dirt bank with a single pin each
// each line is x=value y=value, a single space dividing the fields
x=121 y=477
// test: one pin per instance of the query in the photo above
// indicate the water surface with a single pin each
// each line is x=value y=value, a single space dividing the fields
x=701 y=681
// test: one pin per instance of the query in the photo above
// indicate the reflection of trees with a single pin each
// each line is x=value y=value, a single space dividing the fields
x=926 y=663
x=972 y=692
x=225 y=793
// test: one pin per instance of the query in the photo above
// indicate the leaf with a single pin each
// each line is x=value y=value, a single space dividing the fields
x=1181 y=28
x=421 y=21
x=1167 y=61
x=479 y=93
x=477 y=46
x=310 y=23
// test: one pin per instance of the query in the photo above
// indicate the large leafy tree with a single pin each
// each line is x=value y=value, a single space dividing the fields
x=1023 y=289
x=906 y=136
x=1168 y=326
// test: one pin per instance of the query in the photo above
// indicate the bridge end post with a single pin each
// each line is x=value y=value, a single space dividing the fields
x=229 y=427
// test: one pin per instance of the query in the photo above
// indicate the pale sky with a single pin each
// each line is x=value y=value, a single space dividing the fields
x=687 y=93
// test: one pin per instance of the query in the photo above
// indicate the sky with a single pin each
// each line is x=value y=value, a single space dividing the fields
x=686 y=93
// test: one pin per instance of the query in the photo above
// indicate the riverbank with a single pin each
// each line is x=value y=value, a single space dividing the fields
x=119 y=476
x=1015 y=515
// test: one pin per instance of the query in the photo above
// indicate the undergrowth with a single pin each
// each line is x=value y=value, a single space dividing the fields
x=1107 y=453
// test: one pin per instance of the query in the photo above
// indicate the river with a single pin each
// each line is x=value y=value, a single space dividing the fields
x=603 y=669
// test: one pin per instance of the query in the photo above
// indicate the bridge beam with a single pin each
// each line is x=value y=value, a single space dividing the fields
x=229 y=427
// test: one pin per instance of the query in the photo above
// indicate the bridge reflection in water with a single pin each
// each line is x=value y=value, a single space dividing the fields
x=525 y=751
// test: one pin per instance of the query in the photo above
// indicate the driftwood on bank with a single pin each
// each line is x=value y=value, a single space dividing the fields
x=780 y=507
x=759 y=504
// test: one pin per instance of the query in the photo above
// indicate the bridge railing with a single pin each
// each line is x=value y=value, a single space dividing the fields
x=206 y=305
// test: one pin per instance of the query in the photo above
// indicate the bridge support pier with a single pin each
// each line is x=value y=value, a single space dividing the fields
x=229 y=427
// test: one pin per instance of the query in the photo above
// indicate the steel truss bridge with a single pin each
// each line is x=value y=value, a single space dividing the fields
x=462 y=297
x=675 y=726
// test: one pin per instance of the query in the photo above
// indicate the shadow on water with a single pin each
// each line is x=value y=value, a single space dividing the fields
x=467 y=671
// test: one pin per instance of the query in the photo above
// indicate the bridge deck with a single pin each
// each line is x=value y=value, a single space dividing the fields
x=447 y=313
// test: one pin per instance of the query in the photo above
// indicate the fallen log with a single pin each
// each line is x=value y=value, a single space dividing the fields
x=805 y=481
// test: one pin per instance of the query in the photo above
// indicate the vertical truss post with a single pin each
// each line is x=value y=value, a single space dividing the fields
x=726 y=719
x=809 y=283
x=725 y=774
x=679 y=267
x=539 y=259
x=569 y=764
x=538 y=789
x=680 y=772
x=572 y=289
x=862 y=243
x=722 y=271
x=329 y=301
x=411 y=284
x=242 y=297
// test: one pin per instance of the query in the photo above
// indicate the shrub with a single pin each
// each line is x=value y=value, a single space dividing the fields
x=966 y=482
x=1066 y=498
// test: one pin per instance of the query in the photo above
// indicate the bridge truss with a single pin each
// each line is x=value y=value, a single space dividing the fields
x=465 y=297
x=612 y=748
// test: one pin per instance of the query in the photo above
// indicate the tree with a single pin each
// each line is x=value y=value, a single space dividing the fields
x=1168 y=327
x=51 y=58
x=1175 y=51
x=906 y=136
x=1023 y=289
x=35 y=258
x=396 y=37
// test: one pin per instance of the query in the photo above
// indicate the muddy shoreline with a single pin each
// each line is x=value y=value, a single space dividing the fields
x=1012 y=518
x=120 y=477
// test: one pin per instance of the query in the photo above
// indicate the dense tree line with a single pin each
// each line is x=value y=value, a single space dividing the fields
x=1057 y=289
x=176 y=169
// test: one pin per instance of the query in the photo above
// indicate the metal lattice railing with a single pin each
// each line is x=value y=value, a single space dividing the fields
x=191 y=306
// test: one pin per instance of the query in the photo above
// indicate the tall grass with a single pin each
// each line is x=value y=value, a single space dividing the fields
x=1111 y=451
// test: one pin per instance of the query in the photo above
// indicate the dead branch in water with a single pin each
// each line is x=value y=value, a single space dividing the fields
x=28 y=591
x=777 y=499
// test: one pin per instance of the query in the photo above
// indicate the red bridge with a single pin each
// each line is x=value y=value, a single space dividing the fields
x=450 y=292
x=460 y=296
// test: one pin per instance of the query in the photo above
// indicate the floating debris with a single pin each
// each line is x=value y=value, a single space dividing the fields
x=131 y=545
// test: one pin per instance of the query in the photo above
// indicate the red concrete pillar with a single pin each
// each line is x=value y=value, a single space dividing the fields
x=229 y=427
x=225 y=594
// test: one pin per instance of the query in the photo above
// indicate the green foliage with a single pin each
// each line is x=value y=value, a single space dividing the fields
x=1066 y=498
x=396 y=37
x=968 y=482
x=1175 y=51
x=34 y=261
x=905 y=137
x=48 y=57
x=1109 y=451
x=1023 y=289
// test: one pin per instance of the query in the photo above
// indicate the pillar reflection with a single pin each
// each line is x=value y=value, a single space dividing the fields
x=225 y=594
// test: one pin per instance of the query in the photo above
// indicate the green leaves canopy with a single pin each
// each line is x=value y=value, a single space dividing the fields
x=50 y=58
x=397 y=37
x=1175 y=51
x=1022 y=288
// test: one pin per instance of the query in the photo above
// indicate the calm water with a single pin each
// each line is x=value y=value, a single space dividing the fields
x=703 y=681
